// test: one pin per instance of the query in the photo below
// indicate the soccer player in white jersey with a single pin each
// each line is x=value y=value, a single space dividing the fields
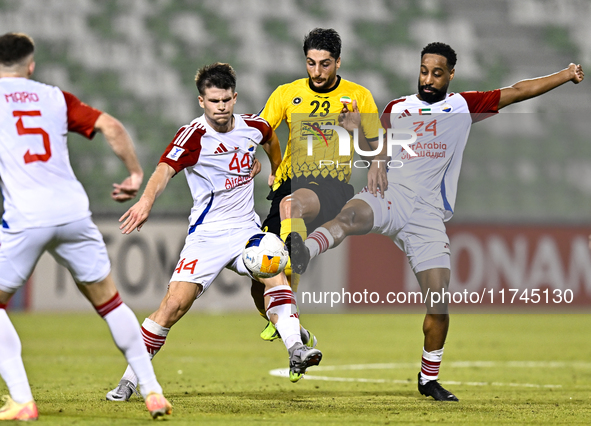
x=421 y=189
x=216 y=151
x=46 y=208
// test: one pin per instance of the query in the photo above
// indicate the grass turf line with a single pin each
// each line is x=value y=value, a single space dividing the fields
x=214 y=369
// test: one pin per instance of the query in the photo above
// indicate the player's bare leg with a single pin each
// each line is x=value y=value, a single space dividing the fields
x=178 y=300
x=436 y=321
x=20 y=405
x=282 y=311
x=435 y=327
x=124 y=328
x=294 y=211
x=356 y=218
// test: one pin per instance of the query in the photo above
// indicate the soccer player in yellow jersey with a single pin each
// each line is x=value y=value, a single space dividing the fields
x=308 y=190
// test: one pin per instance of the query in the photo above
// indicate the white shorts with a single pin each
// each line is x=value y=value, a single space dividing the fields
x=78 y=246
x=207 y=253
x=415 y=226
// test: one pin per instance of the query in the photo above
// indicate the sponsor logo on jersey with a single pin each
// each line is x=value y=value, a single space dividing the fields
x=446 y=107
x=233 y=182
x=251 y=148
x=296 y=101
x=221 y=149
x=175 y=153
x=312 y=128
x=424 y=111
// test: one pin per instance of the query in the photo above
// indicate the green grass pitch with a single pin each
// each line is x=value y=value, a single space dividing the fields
x=506 y=369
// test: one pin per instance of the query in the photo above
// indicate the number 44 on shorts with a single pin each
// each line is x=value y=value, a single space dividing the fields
x=189 y=266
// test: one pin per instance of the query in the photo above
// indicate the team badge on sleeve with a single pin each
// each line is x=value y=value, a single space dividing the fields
x=446 y=107
x=175 y=153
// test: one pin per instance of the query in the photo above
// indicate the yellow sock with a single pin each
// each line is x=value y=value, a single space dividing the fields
x=293 y=280
x=287 y=227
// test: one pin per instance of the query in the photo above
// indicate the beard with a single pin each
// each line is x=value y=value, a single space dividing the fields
x=326 y=84
x=435 y=95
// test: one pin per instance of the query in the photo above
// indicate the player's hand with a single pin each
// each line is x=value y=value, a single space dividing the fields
x=577 y=71
x=256 y=168
x=271 y=180
x=136 y=216
x=377 y=177
x=350 y=120
x=128 y=189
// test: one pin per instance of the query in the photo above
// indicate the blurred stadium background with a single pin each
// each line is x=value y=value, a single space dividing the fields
x=136 y=60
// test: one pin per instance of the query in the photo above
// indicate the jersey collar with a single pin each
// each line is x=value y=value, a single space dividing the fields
x=313 y=89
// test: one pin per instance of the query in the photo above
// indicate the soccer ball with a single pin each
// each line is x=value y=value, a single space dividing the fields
x=265 y=255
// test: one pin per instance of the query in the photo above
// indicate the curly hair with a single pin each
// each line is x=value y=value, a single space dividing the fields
x=442 y=49
x=323 y=39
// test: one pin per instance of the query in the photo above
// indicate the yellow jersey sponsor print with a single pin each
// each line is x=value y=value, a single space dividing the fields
x=305 y=110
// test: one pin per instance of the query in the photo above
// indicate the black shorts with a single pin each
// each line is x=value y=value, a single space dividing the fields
x=332 y=193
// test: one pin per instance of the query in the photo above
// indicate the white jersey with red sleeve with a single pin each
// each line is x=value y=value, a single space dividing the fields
x=38 y=184
x=217 y=167
x=442 y=130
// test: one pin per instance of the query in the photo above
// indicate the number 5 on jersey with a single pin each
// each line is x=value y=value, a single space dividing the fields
x=22 y=130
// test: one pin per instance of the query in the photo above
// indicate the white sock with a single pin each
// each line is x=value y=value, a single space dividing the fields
x=282 y=303
x=430 y=365
x=319 y=241
x=12 y=368
x=126 y=334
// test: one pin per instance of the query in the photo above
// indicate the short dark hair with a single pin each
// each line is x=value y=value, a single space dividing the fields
x=14 y=47
x=323 y=39
x=442 y=49
x=217 y=75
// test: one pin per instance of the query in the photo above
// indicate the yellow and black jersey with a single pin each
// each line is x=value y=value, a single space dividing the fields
x=305 y=109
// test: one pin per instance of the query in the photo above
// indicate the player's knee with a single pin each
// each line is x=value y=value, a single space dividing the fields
x=289 y=206
x=352 y=219
x=346 y=217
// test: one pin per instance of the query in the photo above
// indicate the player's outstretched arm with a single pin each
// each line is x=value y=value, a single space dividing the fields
x=138 y=214
x=527 y=89
x=273 y=150
x=122 y=145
